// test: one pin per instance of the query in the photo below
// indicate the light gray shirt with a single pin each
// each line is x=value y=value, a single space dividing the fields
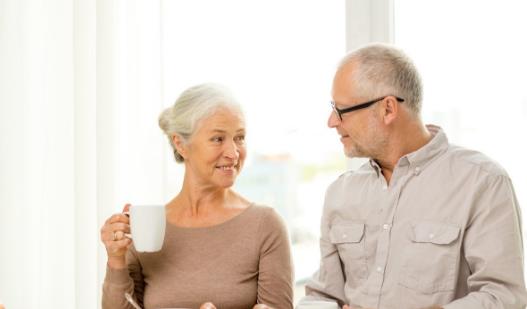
x=445 y=231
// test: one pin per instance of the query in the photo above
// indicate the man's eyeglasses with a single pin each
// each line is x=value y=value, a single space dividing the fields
x=339 y=111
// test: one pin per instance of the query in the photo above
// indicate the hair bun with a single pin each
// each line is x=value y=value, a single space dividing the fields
x=164 y=120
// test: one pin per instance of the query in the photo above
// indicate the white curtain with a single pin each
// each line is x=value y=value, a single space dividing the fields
x=79 y=96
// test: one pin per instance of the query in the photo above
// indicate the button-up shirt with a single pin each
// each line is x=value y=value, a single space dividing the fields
x=445 y=230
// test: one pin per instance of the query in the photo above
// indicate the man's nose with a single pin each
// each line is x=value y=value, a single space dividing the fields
x=333 y=120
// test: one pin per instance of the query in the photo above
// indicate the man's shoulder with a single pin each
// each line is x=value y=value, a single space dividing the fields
x=361 y=175
x=463 y=158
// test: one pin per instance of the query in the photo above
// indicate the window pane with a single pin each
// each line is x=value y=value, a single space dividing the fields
x=278 y=57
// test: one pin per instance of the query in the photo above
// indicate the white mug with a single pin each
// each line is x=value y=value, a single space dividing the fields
x=317 y=304
x=147 y=224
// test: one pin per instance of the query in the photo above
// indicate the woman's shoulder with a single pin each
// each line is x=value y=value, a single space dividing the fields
x=260 y=210
x=267 y=217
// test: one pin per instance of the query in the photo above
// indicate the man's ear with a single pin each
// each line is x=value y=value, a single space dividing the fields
x=390 y=110
x=180 y=145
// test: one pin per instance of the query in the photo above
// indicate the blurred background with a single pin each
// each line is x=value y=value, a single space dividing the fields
x=82 y=84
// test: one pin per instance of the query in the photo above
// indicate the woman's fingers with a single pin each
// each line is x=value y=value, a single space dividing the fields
x=118 y=235
x=124 y=227
x=118 y=247
x=114 y=234
x=119 y=218
x=119 y=226
x=123 y=243
x=114 y=231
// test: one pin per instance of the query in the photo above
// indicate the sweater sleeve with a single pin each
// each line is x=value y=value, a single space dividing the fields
x=119 y=282
x=275 y=273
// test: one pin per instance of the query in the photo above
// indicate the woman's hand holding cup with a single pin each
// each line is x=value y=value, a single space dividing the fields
x=114 y=236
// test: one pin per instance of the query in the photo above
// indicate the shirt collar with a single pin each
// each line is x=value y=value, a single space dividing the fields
x=436 y=146
x=375 y=167
x=419 y=158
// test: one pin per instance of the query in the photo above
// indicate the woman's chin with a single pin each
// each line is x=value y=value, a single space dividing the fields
x=226 y=183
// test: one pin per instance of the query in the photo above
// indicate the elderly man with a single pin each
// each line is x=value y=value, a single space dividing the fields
x=423 y=224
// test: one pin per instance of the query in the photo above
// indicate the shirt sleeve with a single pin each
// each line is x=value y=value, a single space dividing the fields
x=492 y=246
x=328 y=282
x=275 y=270
x=118 y=282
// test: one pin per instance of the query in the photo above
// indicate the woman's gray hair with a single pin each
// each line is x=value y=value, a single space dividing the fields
x=192 y=106
x=382 y=69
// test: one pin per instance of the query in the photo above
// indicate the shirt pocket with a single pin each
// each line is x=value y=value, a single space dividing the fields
x=348 y=238
x=430 y=263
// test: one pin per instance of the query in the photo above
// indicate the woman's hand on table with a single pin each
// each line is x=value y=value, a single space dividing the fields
x=261 y=306
x=207 y=305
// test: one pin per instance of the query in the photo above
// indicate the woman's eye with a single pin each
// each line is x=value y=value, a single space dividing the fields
x=240 y=138
x=217 y=139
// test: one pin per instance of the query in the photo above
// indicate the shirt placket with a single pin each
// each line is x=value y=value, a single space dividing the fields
x=400 y=177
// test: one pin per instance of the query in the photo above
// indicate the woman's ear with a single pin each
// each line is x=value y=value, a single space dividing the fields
x=180 y=145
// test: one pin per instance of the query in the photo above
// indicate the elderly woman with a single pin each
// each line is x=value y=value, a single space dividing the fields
x=220 y=249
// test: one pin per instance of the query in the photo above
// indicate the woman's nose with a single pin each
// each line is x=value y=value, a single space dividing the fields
x=231 y=150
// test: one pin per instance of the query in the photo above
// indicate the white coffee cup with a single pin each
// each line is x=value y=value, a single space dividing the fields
x=317 y=304
x=147 y=224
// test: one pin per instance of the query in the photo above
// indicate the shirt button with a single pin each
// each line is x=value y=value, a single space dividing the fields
x=385 y=187
x=417 y=170
x=385 y=226
x=431 y=235
x=344 y=236
x=379 y=269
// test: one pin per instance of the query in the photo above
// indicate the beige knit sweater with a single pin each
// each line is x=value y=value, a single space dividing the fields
x=236 y=264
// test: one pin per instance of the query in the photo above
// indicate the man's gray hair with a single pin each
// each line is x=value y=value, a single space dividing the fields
x=382 y=69
x=192 y=106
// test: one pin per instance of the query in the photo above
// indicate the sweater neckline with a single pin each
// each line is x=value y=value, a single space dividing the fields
x=212 y=227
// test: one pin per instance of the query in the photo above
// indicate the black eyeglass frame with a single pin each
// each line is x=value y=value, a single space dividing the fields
x=339 y=111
